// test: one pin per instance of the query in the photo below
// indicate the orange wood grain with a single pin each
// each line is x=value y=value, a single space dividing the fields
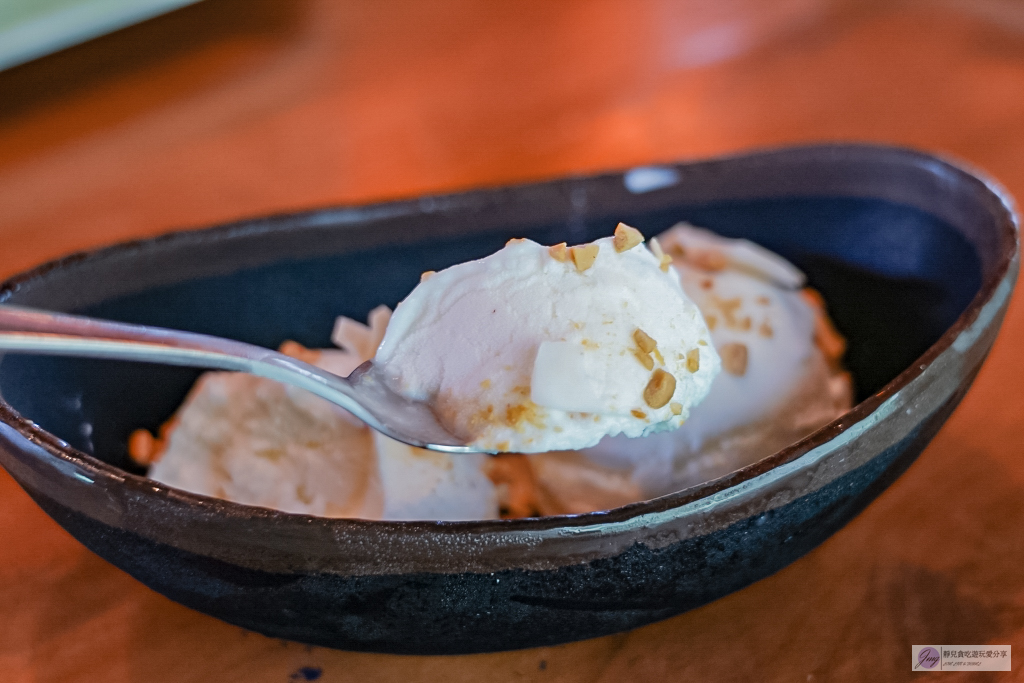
x=234 y=108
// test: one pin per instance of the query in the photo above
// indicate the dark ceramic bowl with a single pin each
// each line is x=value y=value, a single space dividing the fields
x=916 y=257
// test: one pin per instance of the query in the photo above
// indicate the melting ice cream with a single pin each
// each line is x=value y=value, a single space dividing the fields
x=254 y=441
x=540 y=348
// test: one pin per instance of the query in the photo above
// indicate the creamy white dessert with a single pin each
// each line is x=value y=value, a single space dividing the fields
x=258 y=442
x=255 y=441
x=780 y=381
x=540 y=348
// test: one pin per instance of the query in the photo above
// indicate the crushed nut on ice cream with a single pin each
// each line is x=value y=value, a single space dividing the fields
x=529 y=351
x=599 y=361
x=780 y=380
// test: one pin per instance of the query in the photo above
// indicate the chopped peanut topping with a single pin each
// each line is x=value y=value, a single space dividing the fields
x=655 y=246
x=831 y=343
x=486 y=384
x=677 y=250
x=638 y=414
x=515 y=240
x=143 y=447
x=528 y=411
x=712 y=260
x=730 y=309
x=559 y=252
x=584 y=256
x=676 y=408
x=644 y=358
x=644 y=341
x=658 y=357
x=514 y=478
x=693 y=360
x=826 y=336
x=712 y=322
x=763 y=300
x=514 y=414
x=626 y=238
x=765 y=330
x=297 y=350
x=813 y=298
x=483 y=416
x=664 y=260
x=660 y=389
x=425 y=275
x=707 y=283
x=701 y=342
x=734 y=358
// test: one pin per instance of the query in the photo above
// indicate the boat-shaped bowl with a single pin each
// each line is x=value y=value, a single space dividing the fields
x=915 y=255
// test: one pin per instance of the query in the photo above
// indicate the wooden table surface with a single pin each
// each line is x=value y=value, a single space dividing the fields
x=234 y=108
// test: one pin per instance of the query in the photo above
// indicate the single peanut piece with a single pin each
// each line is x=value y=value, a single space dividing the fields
x=644 y=358
x=709 y=260
x=664 y=260
x=296 y=350
x=584 y=256
x=734 y=358
x=626 y=238
x=142 y=447
x=826 y=336
x=644 y=341
x=693 y=360
x=660 y=389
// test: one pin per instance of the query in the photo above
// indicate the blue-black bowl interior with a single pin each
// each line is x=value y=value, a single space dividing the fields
x=894 y=277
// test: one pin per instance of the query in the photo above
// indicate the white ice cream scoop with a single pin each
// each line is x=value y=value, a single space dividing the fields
x=539 y=348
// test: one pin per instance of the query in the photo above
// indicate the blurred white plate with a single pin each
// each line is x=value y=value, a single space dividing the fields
x=33 y=28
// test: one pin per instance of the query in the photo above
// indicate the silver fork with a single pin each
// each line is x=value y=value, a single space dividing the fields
x=363 y=393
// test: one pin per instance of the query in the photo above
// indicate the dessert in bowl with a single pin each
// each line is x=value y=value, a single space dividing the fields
x=915 y=257
x=479 y=328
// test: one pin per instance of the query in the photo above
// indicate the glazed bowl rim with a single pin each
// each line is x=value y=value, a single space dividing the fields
x=57 y=448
